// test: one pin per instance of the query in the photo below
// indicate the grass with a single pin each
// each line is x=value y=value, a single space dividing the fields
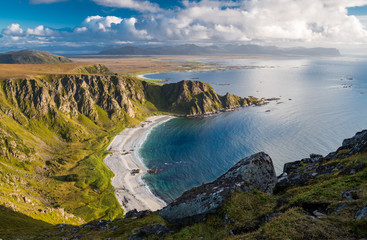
x=60 y=158
x=32 y=70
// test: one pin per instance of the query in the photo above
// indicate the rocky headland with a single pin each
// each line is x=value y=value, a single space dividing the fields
x=55 y=130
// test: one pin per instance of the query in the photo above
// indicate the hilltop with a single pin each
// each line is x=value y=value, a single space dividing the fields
x=31 y=57
x=250 y=49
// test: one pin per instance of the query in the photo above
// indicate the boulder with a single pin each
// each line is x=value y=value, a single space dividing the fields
x=254 y=172
x=146 y=231
x=361 y=213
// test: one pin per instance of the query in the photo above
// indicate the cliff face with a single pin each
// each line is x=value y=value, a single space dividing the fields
x=54 y=130
x=194 y=98
x=73 y=95
x=254 y=172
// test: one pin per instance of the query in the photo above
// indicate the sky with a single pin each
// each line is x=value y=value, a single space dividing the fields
x=87 y=26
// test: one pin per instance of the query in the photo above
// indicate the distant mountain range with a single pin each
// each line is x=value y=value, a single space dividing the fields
x=192 y=49
x=31 y=57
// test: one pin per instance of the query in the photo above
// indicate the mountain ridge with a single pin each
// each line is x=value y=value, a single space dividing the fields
x=250 y=49
x=28 y=56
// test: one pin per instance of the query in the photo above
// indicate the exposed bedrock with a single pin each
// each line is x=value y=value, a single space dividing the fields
x=254 y=172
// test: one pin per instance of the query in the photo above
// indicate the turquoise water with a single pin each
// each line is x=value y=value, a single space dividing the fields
x=322 y=102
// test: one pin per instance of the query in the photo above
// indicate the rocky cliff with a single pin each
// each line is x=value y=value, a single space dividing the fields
x=254 y=172
x=194 y=98
x=54 y=131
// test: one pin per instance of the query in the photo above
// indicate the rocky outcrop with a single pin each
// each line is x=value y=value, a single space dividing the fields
x=254 y=172
x=74 y=95
x=300 y=173
x=193 y=98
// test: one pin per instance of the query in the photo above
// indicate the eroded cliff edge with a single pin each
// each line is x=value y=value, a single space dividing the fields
x=55 y=130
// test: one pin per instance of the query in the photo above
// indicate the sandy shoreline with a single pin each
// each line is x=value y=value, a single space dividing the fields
x=130 y=189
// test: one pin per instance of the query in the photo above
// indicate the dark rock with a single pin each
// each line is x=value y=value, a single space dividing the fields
x=349 y=195
x=145 y=231
x=254 y=172
x=356 y=144
x=353 y=169
x=340 y=206
x=361 y=213
x=313 y=155
x=269 y=217
x=135 y=214
x=281 y=202
x=316 y=208
x=286 y=181
x=357 y=139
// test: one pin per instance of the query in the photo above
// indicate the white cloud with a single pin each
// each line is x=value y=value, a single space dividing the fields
x=98 y=23
x=40 y=31
x=13 y=30
x=142 y=6
x=272 y=21
x=297 y=22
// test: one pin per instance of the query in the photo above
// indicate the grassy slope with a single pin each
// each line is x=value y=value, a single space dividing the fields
x=243 y=217
x=31 y=70
x=55 y=180
x=31 y=57
x=246 y=211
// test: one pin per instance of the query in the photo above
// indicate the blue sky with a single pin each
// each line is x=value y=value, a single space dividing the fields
x=61 y=14
x=99 y=24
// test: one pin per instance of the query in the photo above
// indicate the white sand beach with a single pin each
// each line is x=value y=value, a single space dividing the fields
x=130 y=189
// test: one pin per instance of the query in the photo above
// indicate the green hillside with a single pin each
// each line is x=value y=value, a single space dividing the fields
x=31 y=57
x=54 y=132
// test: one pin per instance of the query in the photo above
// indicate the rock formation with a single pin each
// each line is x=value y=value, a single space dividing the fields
x=254 y=172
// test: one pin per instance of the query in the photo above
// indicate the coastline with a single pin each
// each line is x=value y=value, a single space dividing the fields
x=130 y=189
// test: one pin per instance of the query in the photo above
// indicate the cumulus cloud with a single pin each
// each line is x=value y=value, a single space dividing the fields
x=321 y=22
x=95 y=30
x=142 y=6
x=269 y=20
x=13 y=30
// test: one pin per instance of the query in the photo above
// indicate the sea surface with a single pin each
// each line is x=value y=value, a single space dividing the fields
x=322 y=101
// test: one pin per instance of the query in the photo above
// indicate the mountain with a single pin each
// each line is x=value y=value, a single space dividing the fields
x=192 y=49
x=31 y=57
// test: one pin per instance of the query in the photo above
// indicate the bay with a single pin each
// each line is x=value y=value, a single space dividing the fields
x=322 y=101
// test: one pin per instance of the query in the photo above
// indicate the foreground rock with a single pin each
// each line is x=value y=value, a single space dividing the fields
x=299 y=173
x=254 y=172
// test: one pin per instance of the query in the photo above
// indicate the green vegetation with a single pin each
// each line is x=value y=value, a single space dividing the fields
x=244 y=215
x=54 y=132
x=51 y=157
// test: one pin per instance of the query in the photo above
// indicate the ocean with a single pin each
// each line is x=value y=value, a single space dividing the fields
x=322 y=101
